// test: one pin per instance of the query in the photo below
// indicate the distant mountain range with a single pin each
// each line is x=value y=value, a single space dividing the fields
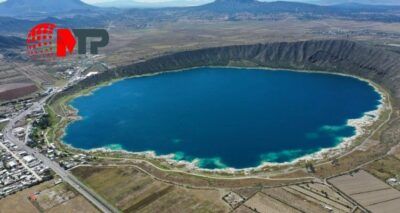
x=371 y=2
x=251 y=9
x=75 y=13
x=63 y=8
x=186 y=3
x=255 y=7
x=136 y=4
x=15 y=7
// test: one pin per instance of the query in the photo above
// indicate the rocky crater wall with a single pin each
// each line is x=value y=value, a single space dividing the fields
x=339 y=56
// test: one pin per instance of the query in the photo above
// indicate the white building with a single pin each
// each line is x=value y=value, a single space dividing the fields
x=11 y=164
x=28 y=158
x=19 y=131
x=23 y=153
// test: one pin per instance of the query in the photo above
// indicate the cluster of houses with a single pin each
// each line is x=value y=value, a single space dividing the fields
x=11 y=108
x=75 y=160
x=64 y=159
x=18 y=169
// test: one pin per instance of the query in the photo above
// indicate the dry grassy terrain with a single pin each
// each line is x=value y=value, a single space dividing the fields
x=131 y=190
x=130 y=45
x=18 y=79
x=369 y=191
x=313 y=197
x=388 y=167
x=46 y=197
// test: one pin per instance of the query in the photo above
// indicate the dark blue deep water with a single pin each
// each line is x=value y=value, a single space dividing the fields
x=223 y=117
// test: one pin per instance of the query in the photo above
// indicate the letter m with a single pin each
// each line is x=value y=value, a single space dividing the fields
x=65 y=42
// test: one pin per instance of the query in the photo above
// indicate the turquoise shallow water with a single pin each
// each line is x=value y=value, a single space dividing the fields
x=223 y=117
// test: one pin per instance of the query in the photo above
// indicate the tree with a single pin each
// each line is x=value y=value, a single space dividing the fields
x=44 y=122
x=310 y=167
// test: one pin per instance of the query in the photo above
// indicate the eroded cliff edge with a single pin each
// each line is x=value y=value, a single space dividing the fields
x=340 y=56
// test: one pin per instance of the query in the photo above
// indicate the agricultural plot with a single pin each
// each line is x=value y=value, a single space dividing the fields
x=19 y=79
x=369 y=191
x=307 y=197
x=46 y=197
x=243 y=209
x=131 y=190
x=264 y=203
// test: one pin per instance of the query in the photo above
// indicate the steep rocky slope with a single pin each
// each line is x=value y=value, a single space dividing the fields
x=341 y=56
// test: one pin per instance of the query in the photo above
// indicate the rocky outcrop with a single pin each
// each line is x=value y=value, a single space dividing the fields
x=340 y=56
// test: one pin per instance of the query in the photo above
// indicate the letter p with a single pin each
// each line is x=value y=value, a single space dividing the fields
x=83 y=34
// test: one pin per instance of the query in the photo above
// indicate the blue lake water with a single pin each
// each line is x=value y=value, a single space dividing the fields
x=223 y=117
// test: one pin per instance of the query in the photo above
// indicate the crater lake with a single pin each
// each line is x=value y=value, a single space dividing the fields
x=222 y=117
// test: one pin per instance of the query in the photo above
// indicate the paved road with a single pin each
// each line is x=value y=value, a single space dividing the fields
x=99 y=202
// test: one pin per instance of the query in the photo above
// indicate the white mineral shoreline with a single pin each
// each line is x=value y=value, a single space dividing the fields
x=360 y=125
